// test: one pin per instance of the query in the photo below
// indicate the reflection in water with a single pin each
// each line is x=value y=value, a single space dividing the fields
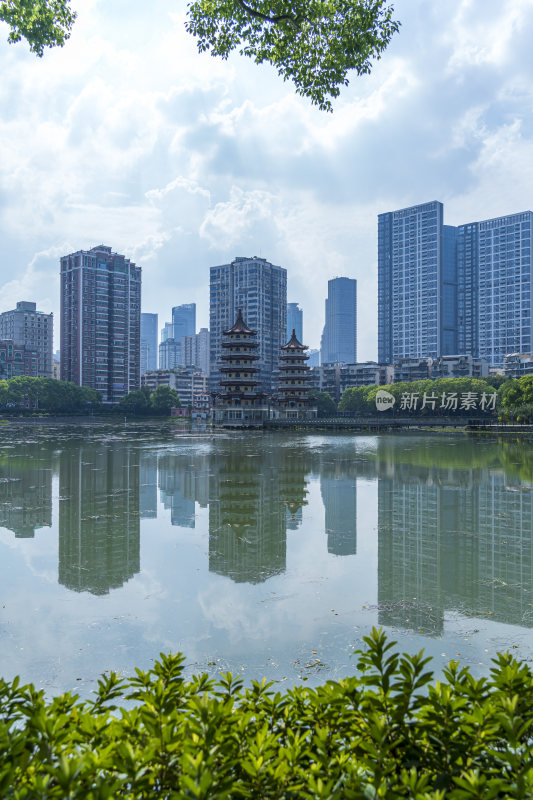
x=455 y=532
x=293 y=468
x=25 y=489
x=148 y=485
x=175 y=485
x=99 y=526
x=455 y=517
x=247 y=517
x=183 y=481
x=339 y=495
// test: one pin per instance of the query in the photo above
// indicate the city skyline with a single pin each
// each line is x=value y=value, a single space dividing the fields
x=180 y=161
x=448 y=277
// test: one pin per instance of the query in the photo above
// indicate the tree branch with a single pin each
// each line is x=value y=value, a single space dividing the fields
x=273 y=20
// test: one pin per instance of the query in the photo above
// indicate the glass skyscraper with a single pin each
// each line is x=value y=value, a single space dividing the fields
x=259 y=288
x=446 y=290
x=295 y=321
x=148 y=342
x=184 y=320
x=339 y=337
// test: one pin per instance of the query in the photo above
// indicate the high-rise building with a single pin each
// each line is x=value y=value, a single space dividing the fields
x=26 y=326
x=184 y=320
x=260 y=289
x=167 y=332
x=339 y=337
x=101 y=322
x=170 y=354
x=196 y=350
x=447 y=290
x=294 y=321
x=417 y=283
x=501 y=280
x=148 y=342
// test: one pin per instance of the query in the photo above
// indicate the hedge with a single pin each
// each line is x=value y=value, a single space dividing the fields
x=389 y=731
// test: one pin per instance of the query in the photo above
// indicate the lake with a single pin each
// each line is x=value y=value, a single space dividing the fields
x=267 y=554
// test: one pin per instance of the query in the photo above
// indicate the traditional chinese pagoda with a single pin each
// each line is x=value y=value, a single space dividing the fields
x=239 y=403
x=293 y=401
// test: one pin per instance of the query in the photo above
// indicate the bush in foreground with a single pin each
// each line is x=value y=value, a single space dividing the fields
x=389 y=732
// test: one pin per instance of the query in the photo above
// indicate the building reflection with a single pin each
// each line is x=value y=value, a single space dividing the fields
x=455 y=522
x=339 y=495
x=293 y=467
x=247 y=519
x=183 y=481
x=257 y=497
x=148 y=484
x=25 y=490
x=99 y=525
x=455 y=536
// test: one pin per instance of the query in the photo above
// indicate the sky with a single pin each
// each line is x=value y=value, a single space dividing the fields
x=130 y=138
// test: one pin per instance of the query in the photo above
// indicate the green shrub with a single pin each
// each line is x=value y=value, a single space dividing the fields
x=388 y=732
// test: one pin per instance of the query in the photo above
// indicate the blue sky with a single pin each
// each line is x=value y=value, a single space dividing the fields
x=128 y=137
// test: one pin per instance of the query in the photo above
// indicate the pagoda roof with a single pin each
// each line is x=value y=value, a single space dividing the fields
x=240 y=326
x=293 y=343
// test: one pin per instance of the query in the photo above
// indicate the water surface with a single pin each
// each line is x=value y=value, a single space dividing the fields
x=266 y=554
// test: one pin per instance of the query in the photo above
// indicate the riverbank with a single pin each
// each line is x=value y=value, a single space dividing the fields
x=324 y=425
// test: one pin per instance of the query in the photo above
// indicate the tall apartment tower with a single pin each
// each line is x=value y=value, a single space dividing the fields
x=294 y=321
x=101 y=322
x=148 y=342
x=446 y=290
x=339 y=337
x=260 y=289
x=417 y=284
x=184 y=320
x=33 y=329
x=495 y=266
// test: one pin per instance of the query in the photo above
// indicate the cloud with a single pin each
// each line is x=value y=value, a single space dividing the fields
x=128 y=136
x=229 y=223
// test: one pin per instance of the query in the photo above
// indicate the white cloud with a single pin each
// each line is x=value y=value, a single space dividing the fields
x=485 y=38
x=228 y=223
x=128 y=136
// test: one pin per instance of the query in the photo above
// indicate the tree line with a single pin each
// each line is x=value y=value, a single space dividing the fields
x=513 y=401
x=508 y=399
x=23 y=394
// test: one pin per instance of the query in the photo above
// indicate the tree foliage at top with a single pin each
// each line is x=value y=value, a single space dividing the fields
x=314 y=43
x=43 y=23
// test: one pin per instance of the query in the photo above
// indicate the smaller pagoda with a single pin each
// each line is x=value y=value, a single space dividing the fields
x=240 y=403
x=293 y=401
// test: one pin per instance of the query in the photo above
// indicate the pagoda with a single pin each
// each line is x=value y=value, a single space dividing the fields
x=293 y=401
x=239 y=403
